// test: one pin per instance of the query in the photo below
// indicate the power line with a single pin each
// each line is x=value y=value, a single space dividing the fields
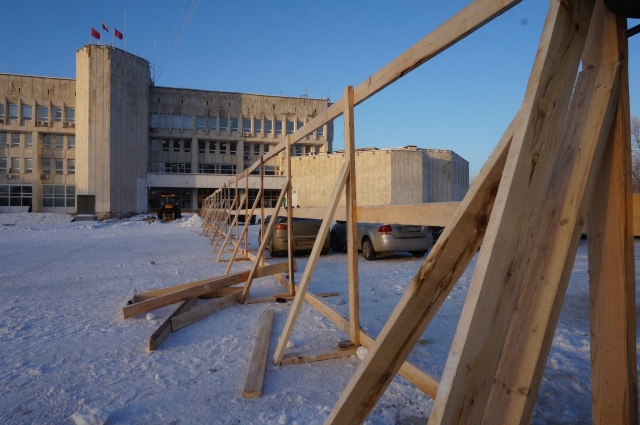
x=185 y=24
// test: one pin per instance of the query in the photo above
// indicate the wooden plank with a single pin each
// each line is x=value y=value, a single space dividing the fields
x=222 y=292
x=532 y=326
x=244 y=230
x=614 y=377
x=508 y=245
x=200 y=289
x=352 y=218
x=292 y=287
x=204 y=310
x=428 y=214
x=315 y=355
x=263 y=243
x=286 y=296
x=311 y=264
x=130 y=298
x=164 y=330
x=258 y=362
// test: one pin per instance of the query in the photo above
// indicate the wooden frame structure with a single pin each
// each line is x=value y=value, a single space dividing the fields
x=563 y=161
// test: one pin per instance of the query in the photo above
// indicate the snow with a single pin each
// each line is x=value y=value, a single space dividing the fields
x=64 y=345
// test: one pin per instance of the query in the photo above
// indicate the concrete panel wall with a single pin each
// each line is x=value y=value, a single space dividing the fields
x=406 y=178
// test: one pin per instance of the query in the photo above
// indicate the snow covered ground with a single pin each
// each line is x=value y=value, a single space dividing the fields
x=66 y=350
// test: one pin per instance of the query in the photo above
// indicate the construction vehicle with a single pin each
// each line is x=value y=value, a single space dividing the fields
x=169 y=208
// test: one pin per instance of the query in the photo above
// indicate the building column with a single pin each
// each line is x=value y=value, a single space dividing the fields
x=194 y=199
x=239 y=157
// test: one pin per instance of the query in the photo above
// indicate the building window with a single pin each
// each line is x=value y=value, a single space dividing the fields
x=320 y=131
x=153 y=121
x=59 y=141
x=157 y=167
x=15 y=140
x=3 y=140
x=58 y=195
x=1 y=113
x=269 y=170
x=27 y=140
x=46 y=166
x=28 y=168
x=247 y=150
x=212 y=123
x=15 y=165
x=223 y=123
x=176 y=122
x=153 y=145
x=56 y=113
x=202 y=146
x=187 y=121
x=246 y=125
x=201 y=122
x=299 y=124
x=267 y=147
x=234 y=124
x=176 y=145
x=257 y=126
x=298 y=150
x=27 y=112
x=212 y=147
x=43 y=113
x=186 y=144
x=13 y=111
x=268 y=127
x=223 y=148
x=317 y=149
x=232 y=148
x=164 y=120
x=46 y=141
x=216 y=168
x=59 y=166
x=69 y=115
x=278 y=127
x=289 y=127
x=165 y=145
x=15 y=196
x=307 y=150
x=256 y=149
x=3 y=165
x=71 y=166
x=71 y=142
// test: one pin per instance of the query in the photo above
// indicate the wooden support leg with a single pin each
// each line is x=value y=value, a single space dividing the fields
x=614 y=377
x=292 y=286
x=233 y=224
x=244 y=232
x=311 y=264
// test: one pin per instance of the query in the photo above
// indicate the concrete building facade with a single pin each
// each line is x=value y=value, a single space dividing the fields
x=395 y=176
x=111 y=134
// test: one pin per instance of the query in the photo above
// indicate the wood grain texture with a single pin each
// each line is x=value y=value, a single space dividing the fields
x=204 y=310
x=258 y=362
x=164 y=329
x=315 y=355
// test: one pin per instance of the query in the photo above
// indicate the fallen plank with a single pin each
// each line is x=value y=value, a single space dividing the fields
x=286 y=296
x=204 y=310
x=255 y=375
x=165 y=328
x=131 y=298
x=315 y=355
x=222 y=292
x=195 y=291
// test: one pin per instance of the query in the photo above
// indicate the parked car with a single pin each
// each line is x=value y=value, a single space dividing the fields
x=374 y=238
x=305 y=232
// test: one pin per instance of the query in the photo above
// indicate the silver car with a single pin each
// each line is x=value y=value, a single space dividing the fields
x=374 y=238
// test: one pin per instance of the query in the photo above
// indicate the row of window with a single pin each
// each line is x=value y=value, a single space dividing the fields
x=229 y=124
x=223 y=147
x=47 y=163
x=185 y=168
x=57 y=141
x=53 y=195
x=24 y=112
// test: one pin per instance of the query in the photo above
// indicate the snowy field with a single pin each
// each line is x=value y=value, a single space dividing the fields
x=65 y=348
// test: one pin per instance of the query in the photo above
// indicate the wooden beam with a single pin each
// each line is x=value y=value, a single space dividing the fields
x=164 y=330
x=614 y=377
x=258 y=362
x=463 y=23
x=532 y=326
x=204 y=310
x=352 y=218
x=292 y=287
x=315 y=355
x=233 y=225
x=222 y=292
x=244 y=231
x=311 y=264
x=265 y=237
x=428 y=214
x=199 y=289
x=286 y=296
x=502 y=263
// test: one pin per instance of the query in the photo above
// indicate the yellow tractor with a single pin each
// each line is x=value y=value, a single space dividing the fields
x=169 y=208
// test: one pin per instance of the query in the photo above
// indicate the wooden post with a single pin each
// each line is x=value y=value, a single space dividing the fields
x=263 y=196
x=614 y=377
x=246 y=214
x=352 y=218
x=292 y=286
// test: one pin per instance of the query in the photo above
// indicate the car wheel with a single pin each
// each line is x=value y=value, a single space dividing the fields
x=418 y=254
x=367 y=250
x=324 y=251
x=333 y=242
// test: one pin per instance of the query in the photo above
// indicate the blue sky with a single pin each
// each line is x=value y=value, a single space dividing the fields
x=461 y=100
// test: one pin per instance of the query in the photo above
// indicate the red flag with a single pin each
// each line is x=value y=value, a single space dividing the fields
x=105 y=27
x=95 y=34
x=117 y=33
